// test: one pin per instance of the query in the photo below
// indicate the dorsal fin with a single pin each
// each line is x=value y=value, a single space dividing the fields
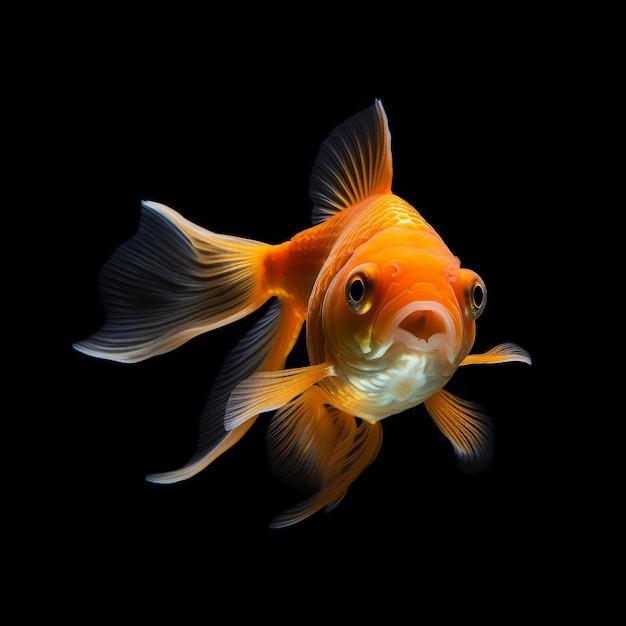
x=353 y=162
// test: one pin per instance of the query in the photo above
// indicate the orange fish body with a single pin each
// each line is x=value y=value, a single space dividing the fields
x=390 y=315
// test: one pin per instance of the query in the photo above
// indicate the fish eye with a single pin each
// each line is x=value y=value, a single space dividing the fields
x=359 y=291
x=476 y=297
x=474 y=292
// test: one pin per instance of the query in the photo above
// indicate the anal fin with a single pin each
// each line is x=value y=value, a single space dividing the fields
x=315 y=447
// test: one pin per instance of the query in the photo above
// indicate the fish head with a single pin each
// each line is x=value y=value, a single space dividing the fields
x=398 y=318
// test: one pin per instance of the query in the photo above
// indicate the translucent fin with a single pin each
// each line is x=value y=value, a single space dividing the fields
x=170 y=282
x=466 y=426
x=502 y=353
x=353 y=162
x=251 y=353
x=267 y=391
x=315 y=447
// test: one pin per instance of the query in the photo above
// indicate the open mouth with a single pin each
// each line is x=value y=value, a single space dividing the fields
x=423 y=325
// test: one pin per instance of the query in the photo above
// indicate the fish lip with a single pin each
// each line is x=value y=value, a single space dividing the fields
x=393 y=332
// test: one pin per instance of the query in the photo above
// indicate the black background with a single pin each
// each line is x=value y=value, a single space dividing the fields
x=478 y=133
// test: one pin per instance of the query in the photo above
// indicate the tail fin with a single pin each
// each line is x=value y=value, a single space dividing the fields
x=170 y=282
x=265 y=346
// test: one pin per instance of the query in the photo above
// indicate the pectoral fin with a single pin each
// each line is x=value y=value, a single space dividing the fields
x=315 y=447
x=502 y=353
x=267 y=391
x=469 y=430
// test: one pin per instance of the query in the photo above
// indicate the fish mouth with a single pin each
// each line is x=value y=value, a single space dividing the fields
x=422 y=325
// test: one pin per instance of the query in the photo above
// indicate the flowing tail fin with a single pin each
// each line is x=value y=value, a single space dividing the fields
x=170 y=282
x=265 y=346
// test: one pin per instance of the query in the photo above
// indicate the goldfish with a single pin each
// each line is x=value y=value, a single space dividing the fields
x=389 y=315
